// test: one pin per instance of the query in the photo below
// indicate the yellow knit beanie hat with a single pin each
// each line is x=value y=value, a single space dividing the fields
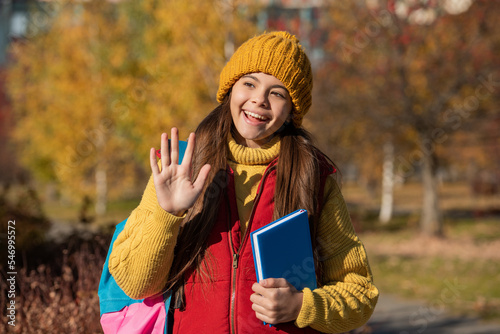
x=278 y=54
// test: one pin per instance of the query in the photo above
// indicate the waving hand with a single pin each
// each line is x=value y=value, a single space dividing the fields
x=175 y=190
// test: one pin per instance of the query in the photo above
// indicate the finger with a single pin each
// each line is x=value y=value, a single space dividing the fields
x=153 y=162
x=263 y=317
x=260 y=304
x=258 y=289
x=268 y=287
x=174 y=146
x=165 y=156
x=274 y=283
x=188 y=154
x=202 y=177
x=259 y=309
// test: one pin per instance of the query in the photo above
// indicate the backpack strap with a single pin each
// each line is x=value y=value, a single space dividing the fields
x=182 y=150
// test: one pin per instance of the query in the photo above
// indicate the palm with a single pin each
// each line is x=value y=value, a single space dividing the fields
x=175 y=190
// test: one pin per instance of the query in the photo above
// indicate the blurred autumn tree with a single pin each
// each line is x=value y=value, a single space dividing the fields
x=407 y=74
x=93 y=92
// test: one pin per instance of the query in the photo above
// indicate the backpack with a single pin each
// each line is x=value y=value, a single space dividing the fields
x=120 y=314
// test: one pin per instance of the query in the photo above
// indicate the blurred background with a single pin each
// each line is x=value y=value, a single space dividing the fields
x=405 y=102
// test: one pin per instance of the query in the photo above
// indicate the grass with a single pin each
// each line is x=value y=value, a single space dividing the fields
x=463 y=287
x=478 y=229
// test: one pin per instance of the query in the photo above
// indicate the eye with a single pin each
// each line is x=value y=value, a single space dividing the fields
x=248 y=84
x=278 y=94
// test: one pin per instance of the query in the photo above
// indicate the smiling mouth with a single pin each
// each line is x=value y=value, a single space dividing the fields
x=254 y=115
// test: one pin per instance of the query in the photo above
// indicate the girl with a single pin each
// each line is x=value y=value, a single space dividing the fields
x=252 y=163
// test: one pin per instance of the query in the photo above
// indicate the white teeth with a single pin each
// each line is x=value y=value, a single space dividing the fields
x=254 y=115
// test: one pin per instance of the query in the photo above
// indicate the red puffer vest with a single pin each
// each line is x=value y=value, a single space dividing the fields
x=223 y=305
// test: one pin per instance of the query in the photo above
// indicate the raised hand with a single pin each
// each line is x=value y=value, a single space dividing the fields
x=276 y=301
x=175 y=190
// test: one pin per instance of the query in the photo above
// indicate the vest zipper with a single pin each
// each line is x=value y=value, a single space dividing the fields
x=235 y=266
x=236 y=253
x=233 y=279
x=235 y=261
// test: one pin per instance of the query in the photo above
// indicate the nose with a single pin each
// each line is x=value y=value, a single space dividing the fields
x=260 y=98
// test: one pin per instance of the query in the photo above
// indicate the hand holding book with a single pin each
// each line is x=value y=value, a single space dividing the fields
x=276 y=301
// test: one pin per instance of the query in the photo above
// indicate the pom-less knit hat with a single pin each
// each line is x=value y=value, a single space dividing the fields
x=278 y=54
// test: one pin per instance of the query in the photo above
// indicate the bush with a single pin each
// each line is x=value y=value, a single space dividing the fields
x=56 y=287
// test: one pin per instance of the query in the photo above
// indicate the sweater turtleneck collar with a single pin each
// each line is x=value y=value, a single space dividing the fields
x=254 y=156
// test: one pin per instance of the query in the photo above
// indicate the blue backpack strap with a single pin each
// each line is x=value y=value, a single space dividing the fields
x=111 y=296
x=182 y=150
x=168 y=300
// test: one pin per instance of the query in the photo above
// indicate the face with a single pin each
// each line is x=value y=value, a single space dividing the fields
x=260 y=105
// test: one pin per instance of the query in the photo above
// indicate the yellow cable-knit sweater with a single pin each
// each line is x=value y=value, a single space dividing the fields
x=143 y=252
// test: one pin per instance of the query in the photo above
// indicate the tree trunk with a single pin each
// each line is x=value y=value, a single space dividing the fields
x=387 y=200
x=101 y=190
x=431 y=221
x=228 y=19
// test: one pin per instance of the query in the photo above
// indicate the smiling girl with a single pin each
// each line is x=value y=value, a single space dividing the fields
x=248 y=163
x=260 y=106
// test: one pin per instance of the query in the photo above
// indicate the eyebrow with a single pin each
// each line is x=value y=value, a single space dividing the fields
x=256 y=79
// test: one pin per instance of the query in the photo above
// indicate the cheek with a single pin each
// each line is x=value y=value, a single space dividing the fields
x=238 y=94
x=236 y=101
x=235 y=110
x=233 y=104
x=285 y=112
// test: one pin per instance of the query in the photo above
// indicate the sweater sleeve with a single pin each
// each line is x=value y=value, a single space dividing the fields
x=348 y=297
x=143 y=252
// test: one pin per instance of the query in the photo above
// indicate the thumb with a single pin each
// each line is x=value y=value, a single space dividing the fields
x=202 y=177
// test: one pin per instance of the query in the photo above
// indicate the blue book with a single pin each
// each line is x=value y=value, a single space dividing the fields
x=283 y=249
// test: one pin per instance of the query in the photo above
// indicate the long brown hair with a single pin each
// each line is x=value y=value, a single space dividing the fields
x=297 y=186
